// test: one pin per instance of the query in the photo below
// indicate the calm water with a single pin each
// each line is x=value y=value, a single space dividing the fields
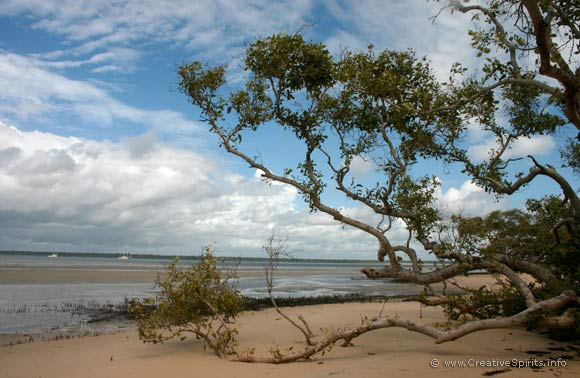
x=28 y=307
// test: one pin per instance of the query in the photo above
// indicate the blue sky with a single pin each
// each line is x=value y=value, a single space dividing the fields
x=100 y=152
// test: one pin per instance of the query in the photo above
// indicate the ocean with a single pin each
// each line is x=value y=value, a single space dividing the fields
x=39 y=293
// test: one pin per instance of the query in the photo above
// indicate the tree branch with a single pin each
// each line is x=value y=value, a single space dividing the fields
x=565 y=299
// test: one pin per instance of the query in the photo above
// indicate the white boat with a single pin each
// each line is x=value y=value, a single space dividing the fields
x=124 y=257
x=54 y=256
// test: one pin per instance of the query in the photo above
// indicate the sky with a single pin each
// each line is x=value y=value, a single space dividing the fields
x=99 y=152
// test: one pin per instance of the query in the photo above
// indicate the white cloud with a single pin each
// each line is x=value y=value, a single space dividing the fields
x=468 y=200
x=29 y=90
x=401 y=25
x=76 y=193
x=344 y=40
x=360 y=166
x=539 y=145
x=116 y=34
x=67 y=193
x=216 y=27
x=115 y=59
x=142 y=145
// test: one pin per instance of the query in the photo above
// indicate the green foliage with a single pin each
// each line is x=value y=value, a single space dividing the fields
x=359 y=96
x=391 y=91
x=387 y=108
x=525 y=110
x=291 y=62
x=571 y=155
x=415 y=197
x=562 y=254
x=252 y=105
x=518 y=234
x=197 y=300
x=485 y=304
x=201 y=85
x=511 y=232
x=528 y=235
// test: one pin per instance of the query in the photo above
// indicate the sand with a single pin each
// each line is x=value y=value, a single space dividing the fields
x=388 y=352
x=383 y=353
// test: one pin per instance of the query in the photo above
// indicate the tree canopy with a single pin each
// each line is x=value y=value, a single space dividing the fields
x=388 y=108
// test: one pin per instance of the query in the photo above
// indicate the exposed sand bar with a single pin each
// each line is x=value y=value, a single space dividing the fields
x=383 y=353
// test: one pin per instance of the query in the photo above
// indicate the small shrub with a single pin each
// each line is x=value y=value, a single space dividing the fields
x=198 y=300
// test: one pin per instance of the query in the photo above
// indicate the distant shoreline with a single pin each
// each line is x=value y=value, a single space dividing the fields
x=184 y=257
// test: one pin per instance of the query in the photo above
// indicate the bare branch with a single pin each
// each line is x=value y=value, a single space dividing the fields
x=517 y=281
x=273 y=252
x=563 y=300
x=563 y=223
x=500 y=30
x=425 y=278
x=411 y=253
x=548 y=53
x=336 y=214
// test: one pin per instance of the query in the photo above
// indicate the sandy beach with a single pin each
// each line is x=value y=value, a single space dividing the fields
x=388 y=352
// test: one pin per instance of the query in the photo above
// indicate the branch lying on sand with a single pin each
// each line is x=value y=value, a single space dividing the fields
x=276 y=248
x=565 y=299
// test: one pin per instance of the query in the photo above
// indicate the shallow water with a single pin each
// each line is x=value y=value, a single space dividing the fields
x=26 y=307
x=33 y=308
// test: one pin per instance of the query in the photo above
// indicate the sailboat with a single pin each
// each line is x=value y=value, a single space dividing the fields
x=124 y=256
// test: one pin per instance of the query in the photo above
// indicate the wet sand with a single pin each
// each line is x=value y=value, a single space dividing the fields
x=109 y=275
x=50 y=275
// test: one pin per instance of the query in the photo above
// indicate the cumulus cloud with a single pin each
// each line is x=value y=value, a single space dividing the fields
x=80 y=194
x=67 y=193
x=143 y=144
x=468 y=200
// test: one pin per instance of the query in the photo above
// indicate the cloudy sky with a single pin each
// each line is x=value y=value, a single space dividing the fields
x=100 y=152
